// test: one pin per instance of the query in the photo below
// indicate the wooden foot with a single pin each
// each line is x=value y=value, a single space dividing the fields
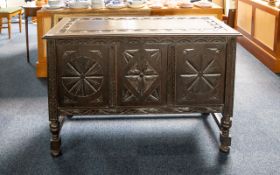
x=225 y=143
x=224 y=149
x=55 y=148
x=55 y=138
x=225 y=138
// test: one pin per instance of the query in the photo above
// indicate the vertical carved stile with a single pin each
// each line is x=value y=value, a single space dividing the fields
x=112 y=76
x=52 y=88
x=230 y=76
x=170 y=83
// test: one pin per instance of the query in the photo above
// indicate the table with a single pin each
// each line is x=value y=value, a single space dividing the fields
x=29 y=11
x=47 y=18
x=9 y=13
x=140 y=65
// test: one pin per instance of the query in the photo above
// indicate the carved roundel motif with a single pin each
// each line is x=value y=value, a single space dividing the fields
x=83 y=76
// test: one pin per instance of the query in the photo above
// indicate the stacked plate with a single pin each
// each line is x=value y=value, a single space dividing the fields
x=185 y=4
x=116 y=4
x=136 y=3
x=54 y=4
x=157 y=4
x=79 y=4
x=203 y=4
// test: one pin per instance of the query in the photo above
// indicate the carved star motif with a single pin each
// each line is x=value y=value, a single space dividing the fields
x=142 y=78
x=199 y=78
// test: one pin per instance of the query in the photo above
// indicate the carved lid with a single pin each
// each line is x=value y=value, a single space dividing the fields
x=135 y=26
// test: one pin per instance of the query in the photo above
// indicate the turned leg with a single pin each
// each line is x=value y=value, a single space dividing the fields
x=225 y=137
x=9 y=27
x=20 y=21
x=0 y=24
x=27 y=39
x=55 y=138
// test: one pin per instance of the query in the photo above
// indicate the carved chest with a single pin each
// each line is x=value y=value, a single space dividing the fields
x=140 y=65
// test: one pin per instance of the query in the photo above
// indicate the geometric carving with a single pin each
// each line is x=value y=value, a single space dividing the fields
x=98 y=100
x=201 y=71
x=154 y=54
x=83 y=75
x=129 y=54
x=155 y=95
x=127 y=95
x=140 y=75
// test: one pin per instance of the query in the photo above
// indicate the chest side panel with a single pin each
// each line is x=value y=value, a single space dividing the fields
x=200 y=73
x=83 y=73
x=141 y=71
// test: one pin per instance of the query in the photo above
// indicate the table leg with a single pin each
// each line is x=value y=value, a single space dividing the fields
x=9 y=27
x=20 y=22
x=0 y=24
x=26 y=37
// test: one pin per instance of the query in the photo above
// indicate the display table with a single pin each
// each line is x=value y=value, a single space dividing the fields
x=140 y=65
x=259 y=22
x=48 y=18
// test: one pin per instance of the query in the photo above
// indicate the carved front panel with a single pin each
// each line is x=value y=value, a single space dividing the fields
x=141 y=74
x=200 y=70
x=83 y=74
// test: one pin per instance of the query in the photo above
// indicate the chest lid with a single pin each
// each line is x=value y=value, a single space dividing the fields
x=140 y=26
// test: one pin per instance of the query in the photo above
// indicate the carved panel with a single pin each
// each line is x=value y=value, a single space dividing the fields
x=200 y=70
x=141 y=74
x=83 y=71
x=83 y=78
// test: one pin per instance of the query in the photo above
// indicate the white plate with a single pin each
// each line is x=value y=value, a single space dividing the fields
x=156 y=5
x=79 y=5
x=115 y=6
x=136 y=5
x=186 y=5
x=203 y=4
x=53 y=7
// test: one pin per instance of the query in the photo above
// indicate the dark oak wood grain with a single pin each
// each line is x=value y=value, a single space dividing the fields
x=152 y=69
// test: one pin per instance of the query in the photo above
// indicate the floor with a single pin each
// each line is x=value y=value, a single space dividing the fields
x=132 y=146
